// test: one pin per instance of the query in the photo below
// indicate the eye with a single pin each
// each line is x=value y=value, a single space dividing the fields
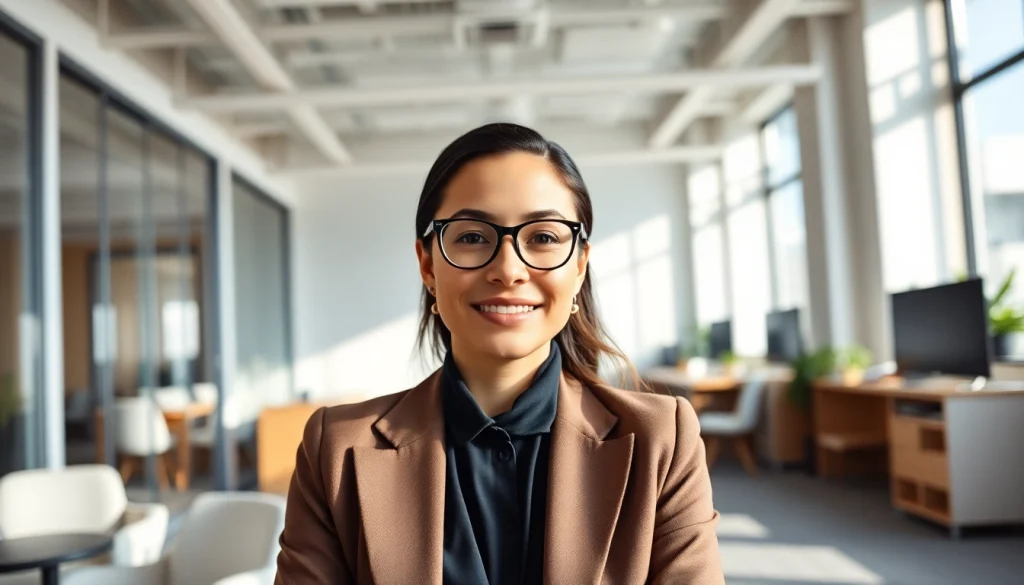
x=544 y=238
x=471 y=238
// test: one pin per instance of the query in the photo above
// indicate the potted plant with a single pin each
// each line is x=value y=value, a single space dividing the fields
x=854 y=360
x=730 y=363
x=806 y=369
x=1004 y=320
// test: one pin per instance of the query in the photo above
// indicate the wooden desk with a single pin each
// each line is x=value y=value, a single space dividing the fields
x=179 y=423
x=953 y=456
x=701 y=391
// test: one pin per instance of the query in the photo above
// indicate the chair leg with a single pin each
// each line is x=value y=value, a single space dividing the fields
x=162 y=478
x=745 y=453
x=127 y=468
x=711 y=446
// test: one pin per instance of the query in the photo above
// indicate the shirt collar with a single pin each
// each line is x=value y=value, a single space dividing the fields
x=532 y=413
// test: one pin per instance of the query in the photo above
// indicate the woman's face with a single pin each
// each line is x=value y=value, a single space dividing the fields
x=507 y=190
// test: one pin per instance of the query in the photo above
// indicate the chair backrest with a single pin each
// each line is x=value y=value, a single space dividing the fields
x=226 y=533
x=171 y=397
x=205 y=392
x=80 y=498
x=140 y=427
x=748 y=406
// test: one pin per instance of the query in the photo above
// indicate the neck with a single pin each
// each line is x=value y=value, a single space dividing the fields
x=496 y=382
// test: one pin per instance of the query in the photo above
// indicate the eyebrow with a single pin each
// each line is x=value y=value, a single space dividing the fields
x=533 y=215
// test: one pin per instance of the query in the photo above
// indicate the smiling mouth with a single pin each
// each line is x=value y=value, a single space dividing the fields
x=505 y=309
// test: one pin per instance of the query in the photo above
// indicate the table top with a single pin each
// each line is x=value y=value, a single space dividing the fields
x=676 y=377
x=33 y=552
x=933 y=389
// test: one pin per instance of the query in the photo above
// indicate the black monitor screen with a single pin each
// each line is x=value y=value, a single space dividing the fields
x=720 y=339
x=942 y=330
x=785 y=342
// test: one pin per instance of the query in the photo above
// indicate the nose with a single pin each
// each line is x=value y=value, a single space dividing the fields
x=507 y=268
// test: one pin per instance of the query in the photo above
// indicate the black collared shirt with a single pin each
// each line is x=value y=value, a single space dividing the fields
x=497 y=481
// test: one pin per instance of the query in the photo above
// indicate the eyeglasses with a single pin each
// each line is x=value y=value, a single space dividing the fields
x=544 y=244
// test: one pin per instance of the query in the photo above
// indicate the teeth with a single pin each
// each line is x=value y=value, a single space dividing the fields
x=506 y=309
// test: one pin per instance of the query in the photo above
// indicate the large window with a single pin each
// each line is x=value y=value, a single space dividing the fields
x=989 y=63
x=780 y=142
x=704 y=188
x=20 y=369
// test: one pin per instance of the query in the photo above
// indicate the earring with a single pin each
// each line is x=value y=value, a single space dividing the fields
x=575 y=308
x=432 y=292
x=433 y=309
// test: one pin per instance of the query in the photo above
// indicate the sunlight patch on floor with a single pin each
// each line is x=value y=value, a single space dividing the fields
x=790 y=563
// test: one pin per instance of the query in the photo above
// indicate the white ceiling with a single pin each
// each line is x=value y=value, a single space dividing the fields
x=316 y=75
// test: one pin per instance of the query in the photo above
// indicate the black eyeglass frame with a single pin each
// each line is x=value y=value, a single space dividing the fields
x=579 y=233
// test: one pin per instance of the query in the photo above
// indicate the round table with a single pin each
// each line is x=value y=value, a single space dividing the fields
x=48 y=552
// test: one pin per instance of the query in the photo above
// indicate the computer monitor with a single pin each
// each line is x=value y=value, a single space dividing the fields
x=785 y=341
x=943 y=329
x=720 y=339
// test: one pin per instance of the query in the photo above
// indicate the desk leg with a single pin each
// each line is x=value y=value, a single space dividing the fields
x=51 y=575
x=183 y=456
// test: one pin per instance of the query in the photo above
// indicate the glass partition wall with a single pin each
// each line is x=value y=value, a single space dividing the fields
x=141 y=391
x=20 y=340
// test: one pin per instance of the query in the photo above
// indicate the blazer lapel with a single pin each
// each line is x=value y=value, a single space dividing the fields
x=587 y=481
x=401 y=490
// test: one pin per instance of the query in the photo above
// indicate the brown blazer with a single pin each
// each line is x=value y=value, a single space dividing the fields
x=629 y=498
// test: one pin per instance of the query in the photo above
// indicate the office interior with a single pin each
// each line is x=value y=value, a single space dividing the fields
x=809 y=222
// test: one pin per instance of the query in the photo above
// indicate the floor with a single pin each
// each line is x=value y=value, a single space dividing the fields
x=789 y=528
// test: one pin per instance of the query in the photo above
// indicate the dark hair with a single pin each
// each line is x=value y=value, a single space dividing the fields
x=583 y=341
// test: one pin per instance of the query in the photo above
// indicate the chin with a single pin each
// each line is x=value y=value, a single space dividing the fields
x=510 y=346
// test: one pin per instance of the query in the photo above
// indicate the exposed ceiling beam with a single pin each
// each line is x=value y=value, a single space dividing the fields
x=755 y=30
x=236 y=34
x=769 y=101
x=326 y=3
x=372 y=27
x=676 y=155
x=338 y=97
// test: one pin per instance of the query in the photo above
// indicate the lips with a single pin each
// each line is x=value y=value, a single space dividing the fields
x=506 y=311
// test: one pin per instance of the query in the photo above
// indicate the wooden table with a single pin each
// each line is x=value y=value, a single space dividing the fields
x=951 y=453
x=699 y=390
x=179 y=423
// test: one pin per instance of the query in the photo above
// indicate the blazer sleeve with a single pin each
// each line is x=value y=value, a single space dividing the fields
x=685 y=546
x=310 y=548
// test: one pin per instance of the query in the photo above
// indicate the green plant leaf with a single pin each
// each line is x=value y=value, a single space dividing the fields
x=1004 y=289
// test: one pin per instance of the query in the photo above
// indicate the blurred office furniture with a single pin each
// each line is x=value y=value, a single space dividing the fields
x=82 y=498
x=719 y=339
x=953 y=446
x=78 y=409
x=177 y=420
x=140 y=431
x=279 y=432
x=943 y=329
x=170 y=397
x=737 y=427
x=700 y=389
x=226 y=537
x=784 y=336
x=232 y=418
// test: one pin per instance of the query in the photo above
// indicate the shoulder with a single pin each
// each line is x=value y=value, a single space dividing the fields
x=658 y=422
x=349 y=425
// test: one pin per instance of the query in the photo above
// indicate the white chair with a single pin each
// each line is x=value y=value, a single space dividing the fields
x=141 y=431
x=170 y=397
x=737 y=426
x=205 y=392
x=81 y=498
x=226 y=538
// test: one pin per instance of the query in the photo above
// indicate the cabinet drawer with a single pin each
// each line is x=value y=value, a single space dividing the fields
x=928 y=467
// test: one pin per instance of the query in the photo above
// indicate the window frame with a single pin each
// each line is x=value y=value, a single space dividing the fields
x=958 y=89
x=769 y=190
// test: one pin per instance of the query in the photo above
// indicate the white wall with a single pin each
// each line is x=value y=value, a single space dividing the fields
x=357 y=283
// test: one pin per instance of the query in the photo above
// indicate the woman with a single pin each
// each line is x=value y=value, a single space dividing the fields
x=513 y=463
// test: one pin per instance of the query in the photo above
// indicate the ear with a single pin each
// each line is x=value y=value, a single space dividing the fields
x=582 y=259
x=426 y=261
